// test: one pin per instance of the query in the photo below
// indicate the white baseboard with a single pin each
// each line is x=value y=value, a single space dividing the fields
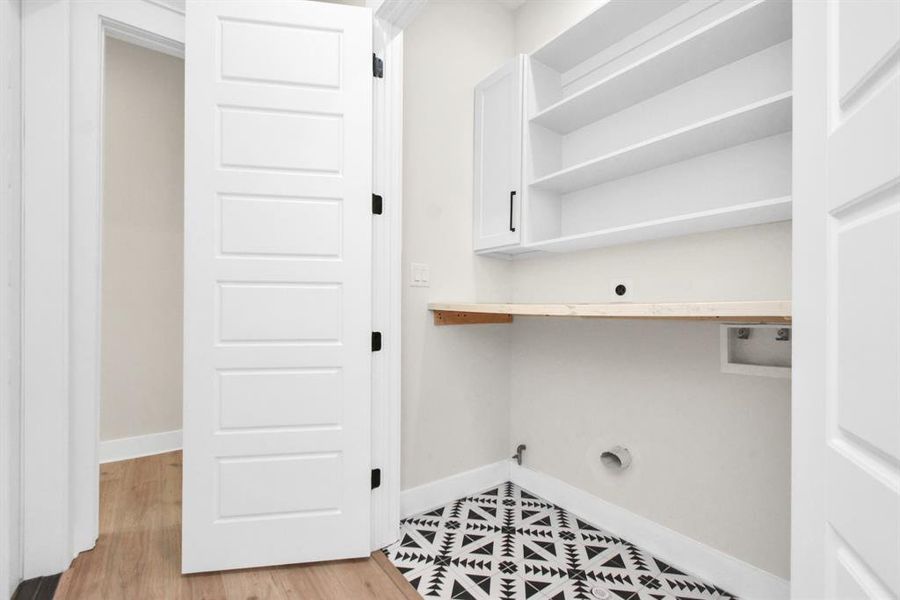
x=740 y=578
x=140 y=445
x=434 y=494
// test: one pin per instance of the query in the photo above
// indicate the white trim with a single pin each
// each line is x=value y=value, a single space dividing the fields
x=139 y=445
x=10 y=296
x=45 y=443
x=434 y=494
x=815 y=118
x=155 y=27
x=145 y=39
x=387 y=237
x=396 y=13
x=736 y=576
x=61 y=263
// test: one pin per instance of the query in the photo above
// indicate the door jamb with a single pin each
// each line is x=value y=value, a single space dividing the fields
x=390 y=18
x=10 y=295
x=387 y=233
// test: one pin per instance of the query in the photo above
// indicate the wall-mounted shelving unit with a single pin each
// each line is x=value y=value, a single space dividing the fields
x=745 y=124
x=648 y=120
x=748 y=30
x=765 y=311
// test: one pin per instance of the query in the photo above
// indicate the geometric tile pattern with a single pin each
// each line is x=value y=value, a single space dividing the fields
x=508 y=544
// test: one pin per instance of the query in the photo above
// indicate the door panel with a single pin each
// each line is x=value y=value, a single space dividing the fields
x=280 y=226
x=277 y=283
x=269 y=398
x=279 y=140
x=867 y=33
x=256 y=51
x=846 y=510
x=868 y=377
x=872 y=127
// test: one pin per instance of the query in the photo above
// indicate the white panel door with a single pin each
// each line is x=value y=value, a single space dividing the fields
x=846 y=421
x=498 y=157
x=278 y=160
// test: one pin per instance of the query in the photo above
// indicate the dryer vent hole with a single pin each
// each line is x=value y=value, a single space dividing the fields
x=616 y=458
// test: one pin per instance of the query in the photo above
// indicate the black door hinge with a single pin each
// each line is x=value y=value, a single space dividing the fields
x=377 y=67
x=376 y=341
x=377 y=204
x=376 y=478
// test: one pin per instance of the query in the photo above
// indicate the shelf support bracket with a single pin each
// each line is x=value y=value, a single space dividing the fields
x=452 y=317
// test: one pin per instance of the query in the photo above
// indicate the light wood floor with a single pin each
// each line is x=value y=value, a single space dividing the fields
x=138 y=554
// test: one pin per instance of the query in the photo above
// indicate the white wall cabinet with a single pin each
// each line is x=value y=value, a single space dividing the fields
x=642 y=121
x=498 y=158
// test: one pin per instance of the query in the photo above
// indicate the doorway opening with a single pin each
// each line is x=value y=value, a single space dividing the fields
x=142 y=252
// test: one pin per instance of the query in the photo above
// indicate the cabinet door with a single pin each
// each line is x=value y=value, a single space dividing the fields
x=498 y=158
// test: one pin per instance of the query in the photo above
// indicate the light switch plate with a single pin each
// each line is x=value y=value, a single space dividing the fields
x=419 y=275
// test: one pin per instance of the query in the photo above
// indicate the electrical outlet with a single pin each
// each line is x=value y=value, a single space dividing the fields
x=621 y=288
x=419 y=275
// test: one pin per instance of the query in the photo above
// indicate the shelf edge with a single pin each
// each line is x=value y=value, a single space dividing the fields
x=761 y=311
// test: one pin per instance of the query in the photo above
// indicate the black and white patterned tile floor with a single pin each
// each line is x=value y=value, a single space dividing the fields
x=508 y=544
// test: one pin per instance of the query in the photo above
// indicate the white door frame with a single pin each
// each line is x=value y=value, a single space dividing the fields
x=10 y=294
x=387 y=237
x=61 y=254
x=46 y=544
x=62 y=78
x=158 y=28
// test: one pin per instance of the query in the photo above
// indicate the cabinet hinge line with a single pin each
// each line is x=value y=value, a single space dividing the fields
x=376 y=478
x=377 y=204
x=376 y=341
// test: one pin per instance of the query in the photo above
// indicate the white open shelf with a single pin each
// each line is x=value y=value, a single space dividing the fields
x=748 y=30
x=755 y=121
x=750 y=213
x=648 y=119
x=753 y=311
x=605 y=26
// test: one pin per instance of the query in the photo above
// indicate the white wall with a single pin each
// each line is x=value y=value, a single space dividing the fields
x=142 y=242
x=712 y=451
x=455 y=379
x=749 y=263
x=10 y=306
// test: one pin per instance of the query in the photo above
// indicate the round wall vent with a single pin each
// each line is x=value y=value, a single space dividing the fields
x=617 y=458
